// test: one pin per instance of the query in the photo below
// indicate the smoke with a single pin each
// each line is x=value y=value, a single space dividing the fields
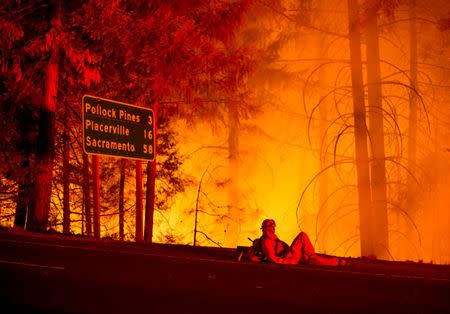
x=294 y=159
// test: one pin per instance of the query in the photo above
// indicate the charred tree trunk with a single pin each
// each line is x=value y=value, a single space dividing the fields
x=359 y=112
x=323 y=181
x=412 y=120
x=24 y=192
x=151 y=177
x=139 y=198
x=87 y=195
x=324 y=159
x=66 y=182
x=150 y=201
x=96 y=195
x=39 y=211
x=121 y=199
x=234 y=214
x=376 y=132
x=25 y=187
x=21 y=206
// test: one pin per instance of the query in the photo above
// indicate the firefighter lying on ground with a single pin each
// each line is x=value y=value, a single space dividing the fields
x=268 y=248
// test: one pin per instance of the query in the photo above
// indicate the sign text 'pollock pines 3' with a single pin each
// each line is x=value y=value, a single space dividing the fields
x=117 y=129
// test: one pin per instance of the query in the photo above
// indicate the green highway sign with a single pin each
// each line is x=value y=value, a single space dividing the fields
x=117 y=129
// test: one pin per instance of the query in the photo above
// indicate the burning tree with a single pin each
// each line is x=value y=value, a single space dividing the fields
x=136 y=51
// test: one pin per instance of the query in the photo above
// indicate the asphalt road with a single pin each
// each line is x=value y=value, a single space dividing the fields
x=54 y=274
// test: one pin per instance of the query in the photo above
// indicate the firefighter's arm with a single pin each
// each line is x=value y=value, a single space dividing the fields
x=268 y=247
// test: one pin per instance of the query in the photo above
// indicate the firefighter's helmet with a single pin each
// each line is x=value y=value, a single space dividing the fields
x=267 y=223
